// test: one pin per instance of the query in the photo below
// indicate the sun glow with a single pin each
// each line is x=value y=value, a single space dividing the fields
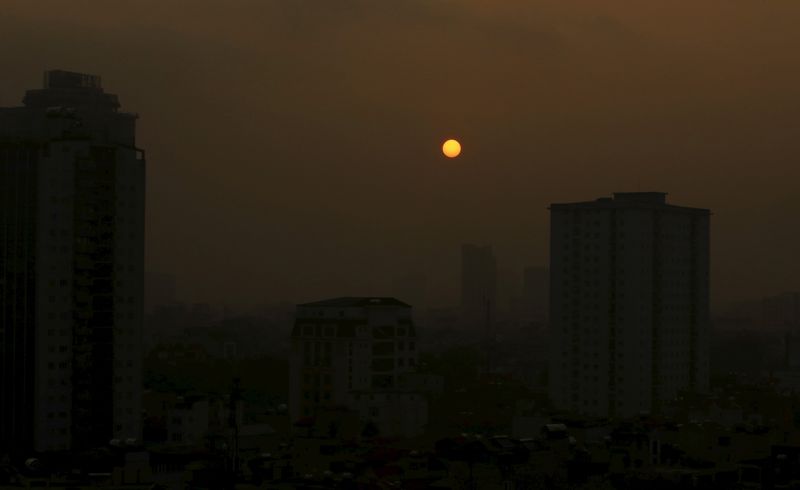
x=451 y=148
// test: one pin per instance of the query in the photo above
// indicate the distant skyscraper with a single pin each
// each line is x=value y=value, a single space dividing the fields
x=351 y=352
x=71 y=277
x=478 y=286
x=629 y=303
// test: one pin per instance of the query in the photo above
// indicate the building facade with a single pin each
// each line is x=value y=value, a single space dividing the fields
x=348 y=352
x=71 y=276
x=629 y=304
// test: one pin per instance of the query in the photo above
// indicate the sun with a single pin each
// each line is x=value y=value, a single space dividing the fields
x=451 y=148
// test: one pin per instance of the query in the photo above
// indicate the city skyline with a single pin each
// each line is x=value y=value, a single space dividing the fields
x=422 y=244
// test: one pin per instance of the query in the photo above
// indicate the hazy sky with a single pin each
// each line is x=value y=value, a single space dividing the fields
x=293 y=145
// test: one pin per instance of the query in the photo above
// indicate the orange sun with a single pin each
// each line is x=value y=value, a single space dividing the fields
x=451 y=148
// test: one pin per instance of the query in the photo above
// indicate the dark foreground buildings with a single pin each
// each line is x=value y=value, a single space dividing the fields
x=71 y=271
x=629 y=304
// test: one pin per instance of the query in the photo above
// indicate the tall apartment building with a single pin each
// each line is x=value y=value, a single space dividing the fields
x=71 y=268
x=353 y=352
x=629 y=303
x=478 y=286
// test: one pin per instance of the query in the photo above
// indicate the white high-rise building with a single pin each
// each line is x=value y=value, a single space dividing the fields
x=352 y=353
x=629 y=304
x=71 y=276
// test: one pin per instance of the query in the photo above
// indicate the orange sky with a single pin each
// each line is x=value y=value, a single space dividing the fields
x=294 y=145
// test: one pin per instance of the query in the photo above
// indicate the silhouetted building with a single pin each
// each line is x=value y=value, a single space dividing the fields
x=71 y=278
x=478 y=286
x=349 y=352
x=629 y=309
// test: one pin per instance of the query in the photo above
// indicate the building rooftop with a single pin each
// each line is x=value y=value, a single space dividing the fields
x=356 y=301
x=70 y=89
x=70 y=79
x=642 y=200
x=650 y=197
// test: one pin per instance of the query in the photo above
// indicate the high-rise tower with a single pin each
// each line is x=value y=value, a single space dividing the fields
x=629 y=303
x=72 y=187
